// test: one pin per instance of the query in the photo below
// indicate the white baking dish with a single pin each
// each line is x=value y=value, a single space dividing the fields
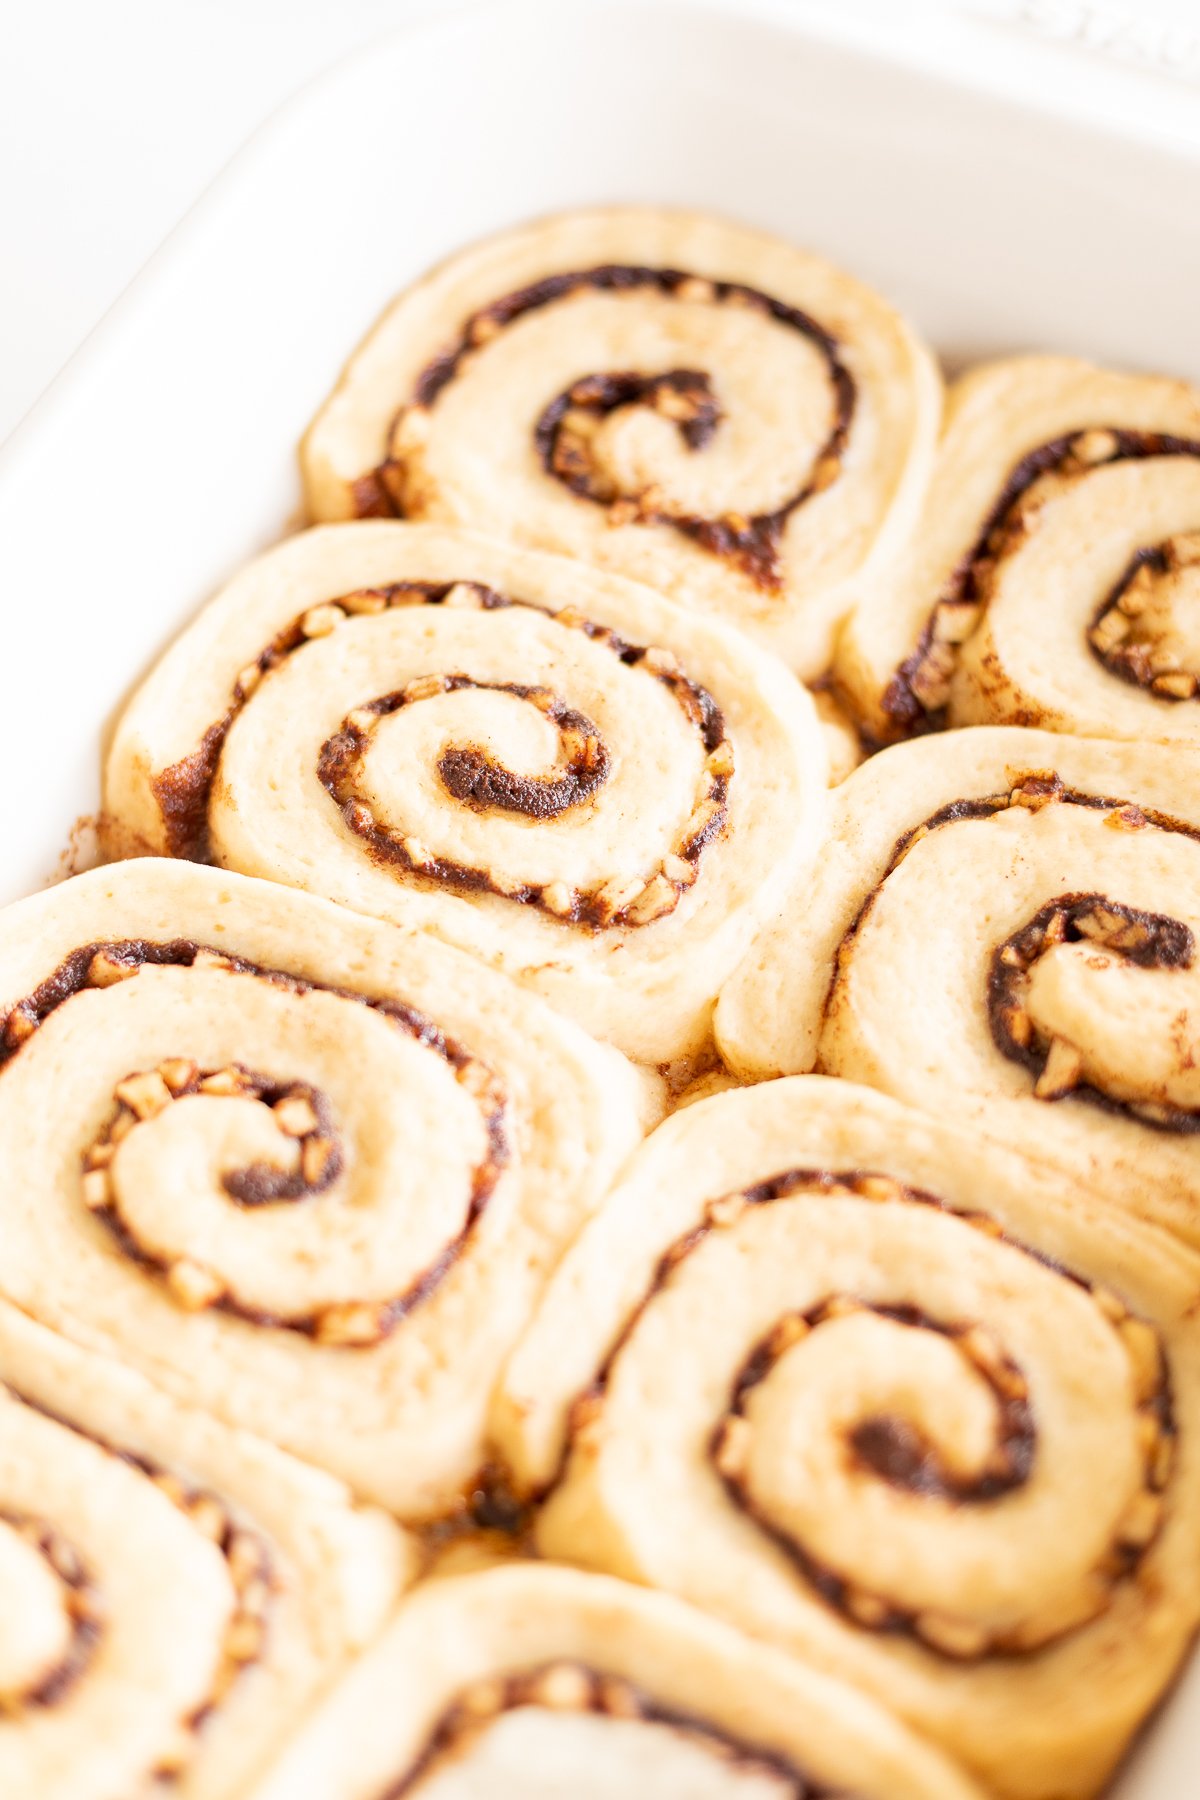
x=165 y=454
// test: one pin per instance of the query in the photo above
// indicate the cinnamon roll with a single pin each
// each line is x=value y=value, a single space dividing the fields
x=903 y=1403
x=173 y=1594
x=544 y=1682
x=1003 y=930
x=547 y=766
x=684 y=401
x=1054 y=579
x=299 y=1168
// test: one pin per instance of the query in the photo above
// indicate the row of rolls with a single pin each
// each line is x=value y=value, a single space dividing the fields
x=635 y=1217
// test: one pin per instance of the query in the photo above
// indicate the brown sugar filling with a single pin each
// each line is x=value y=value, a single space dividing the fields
x=81 y=1601
x=1147 y=940
x=1123 y=636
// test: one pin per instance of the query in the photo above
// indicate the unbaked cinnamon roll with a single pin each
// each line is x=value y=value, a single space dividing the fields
x=548 y=766
x=173 y=1594
x=541 y=1682
x=688 y=402
x=300 y=1168
x=1003 y=930
x=1054 y=579
x=898 y=1401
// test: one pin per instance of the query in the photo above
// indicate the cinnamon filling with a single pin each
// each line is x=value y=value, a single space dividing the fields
x=82 y=1605
x=255 y=1582
x=891 y=1450
x=301 y=1111
x=469 y=774
x=474 y=778
x=1144 y=940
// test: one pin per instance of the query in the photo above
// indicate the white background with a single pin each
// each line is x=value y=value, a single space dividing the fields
x=115 y=114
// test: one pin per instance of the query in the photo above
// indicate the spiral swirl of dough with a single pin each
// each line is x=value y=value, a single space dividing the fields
x=1054 y=579
x=546 y=1681
x=680 y=400
x=175 y=1593
x=894 y=1399
x=548 y=766
x=1003 y=929
x=277 y=1156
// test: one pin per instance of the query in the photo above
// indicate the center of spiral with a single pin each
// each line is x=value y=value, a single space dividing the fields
x=1056 y=986
x=309 y=1157
x=1147 y=630
x=473 y=775
x=49 y=1623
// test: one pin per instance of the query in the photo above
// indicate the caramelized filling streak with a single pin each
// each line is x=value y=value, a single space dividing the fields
x=1120 y=643
x=684 y=396
x=1147 y=940
x=302 y=1111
